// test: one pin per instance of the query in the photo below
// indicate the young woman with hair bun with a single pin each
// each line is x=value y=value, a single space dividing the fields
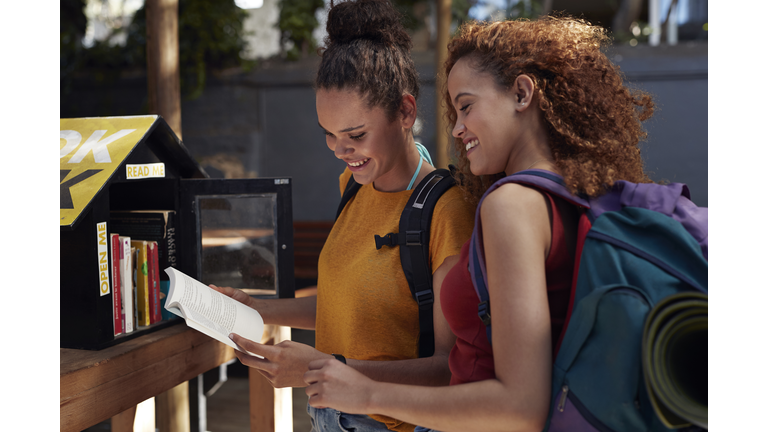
x=520 y=95
x=366 y=90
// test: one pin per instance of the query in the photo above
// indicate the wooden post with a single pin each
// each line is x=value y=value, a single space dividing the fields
x=163 y=86
x=172 y=408
x=442 y=138
x=164 y=98
x=123 y=422
x=261 y=395
x=271 y=408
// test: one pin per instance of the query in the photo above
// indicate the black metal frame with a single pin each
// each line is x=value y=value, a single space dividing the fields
x=191 y=235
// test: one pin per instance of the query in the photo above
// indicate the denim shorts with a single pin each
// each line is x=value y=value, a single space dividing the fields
x=331 y=420
x=423 y=429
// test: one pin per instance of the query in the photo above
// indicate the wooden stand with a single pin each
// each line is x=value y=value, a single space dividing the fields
x=98 y=385
x=262 y=394
x=163 y=84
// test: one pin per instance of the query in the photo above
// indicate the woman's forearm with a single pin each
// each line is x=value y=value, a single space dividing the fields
x=292 y=312
x=484 y=405
x=428 y=371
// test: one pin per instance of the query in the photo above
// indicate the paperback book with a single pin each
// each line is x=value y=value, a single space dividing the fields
x=118 y=314
x=211 y=312
x=154 y=282
x=142 y=282
x=126 y=284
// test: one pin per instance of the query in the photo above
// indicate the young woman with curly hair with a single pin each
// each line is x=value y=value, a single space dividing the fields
x=521 y=95
x=366 y=89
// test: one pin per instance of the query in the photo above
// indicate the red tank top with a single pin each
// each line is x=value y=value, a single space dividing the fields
x=471 y=359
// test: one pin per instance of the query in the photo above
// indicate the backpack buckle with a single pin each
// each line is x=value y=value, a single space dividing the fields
x=484 y=312
x=388 y=240
x=413 y=238
x=425 y=297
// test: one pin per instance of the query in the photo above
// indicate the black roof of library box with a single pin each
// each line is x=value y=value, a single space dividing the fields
x=98 y=150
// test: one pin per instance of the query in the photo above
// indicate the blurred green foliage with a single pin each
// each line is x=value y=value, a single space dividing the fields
x=460 y=10
x=296 y=22
x=211 y=37
x=72 y=27
x=531 y=9
x=413 y=12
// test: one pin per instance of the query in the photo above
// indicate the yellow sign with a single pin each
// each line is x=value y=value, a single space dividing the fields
x=155 y=170
x=91 y=149
x=101 y=247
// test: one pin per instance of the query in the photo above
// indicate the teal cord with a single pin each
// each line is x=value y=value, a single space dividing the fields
x=424 y=153
x=410 y=185
x=424 y=156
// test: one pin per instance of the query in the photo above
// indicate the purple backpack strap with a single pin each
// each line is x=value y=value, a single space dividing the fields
x=544 y=180
x=540 y=179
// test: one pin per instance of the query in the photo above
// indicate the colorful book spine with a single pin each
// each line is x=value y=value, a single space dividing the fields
x=126 y=285
x=154 y=282
x=135 y=274
x=142 y=282
x=117 y=303
x=169 y=259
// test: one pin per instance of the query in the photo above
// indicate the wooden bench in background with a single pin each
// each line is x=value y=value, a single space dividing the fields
x=308 y=240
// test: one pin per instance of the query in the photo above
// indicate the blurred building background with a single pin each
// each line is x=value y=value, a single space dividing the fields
x=248 y=106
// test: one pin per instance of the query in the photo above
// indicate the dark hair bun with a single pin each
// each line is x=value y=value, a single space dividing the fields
x=374 y=20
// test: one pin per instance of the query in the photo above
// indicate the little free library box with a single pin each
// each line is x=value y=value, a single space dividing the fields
x=132 y=202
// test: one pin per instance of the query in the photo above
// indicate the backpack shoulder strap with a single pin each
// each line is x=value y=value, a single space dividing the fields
x=539 y=179
x=544 y=180
x=415 y=222
x=350 y=191
x=413 y=240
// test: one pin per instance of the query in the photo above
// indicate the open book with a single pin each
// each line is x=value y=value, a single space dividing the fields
x=211 y=312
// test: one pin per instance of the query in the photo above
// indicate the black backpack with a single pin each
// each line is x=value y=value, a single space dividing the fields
x=413 y=239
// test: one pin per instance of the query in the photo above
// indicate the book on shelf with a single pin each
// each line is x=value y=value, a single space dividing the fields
x=135 y=276
x=154 y=225
x=154 y=282
x=126 y=283
x=142 y=282
x=211 y=312
x=117 y=302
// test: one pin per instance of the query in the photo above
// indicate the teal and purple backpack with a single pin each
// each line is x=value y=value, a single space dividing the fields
x=637 y=245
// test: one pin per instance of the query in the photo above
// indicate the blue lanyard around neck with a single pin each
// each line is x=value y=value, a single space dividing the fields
x=424 y=156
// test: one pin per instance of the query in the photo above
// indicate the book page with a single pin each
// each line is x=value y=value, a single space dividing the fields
x=211 y=312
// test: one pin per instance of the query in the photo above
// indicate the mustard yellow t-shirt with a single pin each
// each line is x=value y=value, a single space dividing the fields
x=365 y=310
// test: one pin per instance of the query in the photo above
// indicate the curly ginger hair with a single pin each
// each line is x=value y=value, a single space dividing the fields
x=593 y=120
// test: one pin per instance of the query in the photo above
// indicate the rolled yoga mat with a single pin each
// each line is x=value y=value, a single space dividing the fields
x=675 y=357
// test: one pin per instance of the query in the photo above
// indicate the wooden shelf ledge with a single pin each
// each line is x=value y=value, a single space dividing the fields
x=96 y=385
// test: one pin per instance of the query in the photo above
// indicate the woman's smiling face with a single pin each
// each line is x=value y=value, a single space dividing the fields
x=486 y=119
x=361 y=136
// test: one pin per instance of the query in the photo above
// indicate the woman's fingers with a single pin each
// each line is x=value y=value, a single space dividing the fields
x=336 y=385
x=284 y=364
x=234 y=293
x=254 y=348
